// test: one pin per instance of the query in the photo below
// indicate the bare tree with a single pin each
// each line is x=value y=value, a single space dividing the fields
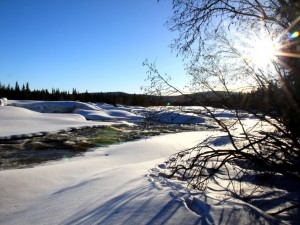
x=216 y=37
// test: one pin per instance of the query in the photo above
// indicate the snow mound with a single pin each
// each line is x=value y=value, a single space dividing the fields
x=16 y=122
x=123 y=114
x=52 y=106
x=108 y=115
x=91 y=111
x=3 y=101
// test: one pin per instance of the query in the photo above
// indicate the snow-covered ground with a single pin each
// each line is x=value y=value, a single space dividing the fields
x=90 y=111
x=117 y=184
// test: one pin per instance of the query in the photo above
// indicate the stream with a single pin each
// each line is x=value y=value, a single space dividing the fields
x=28 y=152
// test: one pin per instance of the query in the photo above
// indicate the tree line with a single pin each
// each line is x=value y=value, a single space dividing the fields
x=255 y=100
x=24 y=92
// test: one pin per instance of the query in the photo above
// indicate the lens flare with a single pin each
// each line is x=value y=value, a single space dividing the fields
x=294 y=35
x=65 y=158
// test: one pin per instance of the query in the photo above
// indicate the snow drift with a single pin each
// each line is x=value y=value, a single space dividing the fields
x=90 y=111
x=19 y=122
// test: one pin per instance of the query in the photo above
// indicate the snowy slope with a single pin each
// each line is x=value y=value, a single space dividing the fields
x=110 y=186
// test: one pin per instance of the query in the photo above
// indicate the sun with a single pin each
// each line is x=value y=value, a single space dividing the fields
x=262 y=52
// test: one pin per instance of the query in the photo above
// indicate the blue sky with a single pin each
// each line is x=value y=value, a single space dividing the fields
x=94 y=45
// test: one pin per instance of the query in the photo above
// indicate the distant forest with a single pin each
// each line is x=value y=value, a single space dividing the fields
x=23 y=92
x=243 y=100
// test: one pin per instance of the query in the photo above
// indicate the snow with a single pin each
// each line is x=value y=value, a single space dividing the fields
x=90 y=111
x=107 y=115
x=178 y=118
x=118 y=184
x=34 y=118
x=20 y=122
x=110 y=186
x=3 y=101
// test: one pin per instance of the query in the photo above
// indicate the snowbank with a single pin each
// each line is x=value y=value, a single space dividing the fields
x=106 y=112
x=20 y=122
x=3 y=101
x=102 y=112
x=108 y=115
x=52 y=106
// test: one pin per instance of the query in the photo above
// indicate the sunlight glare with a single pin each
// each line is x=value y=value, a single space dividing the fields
x=262 y=53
